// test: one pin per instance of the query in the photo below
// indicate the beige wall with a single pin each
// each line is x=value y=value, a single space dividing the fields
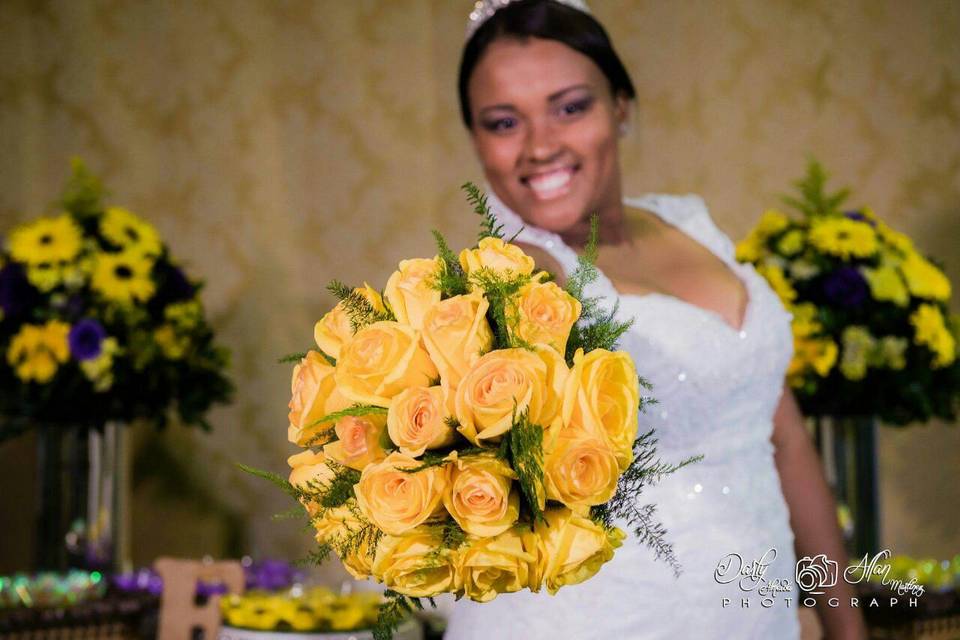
x=279 y=144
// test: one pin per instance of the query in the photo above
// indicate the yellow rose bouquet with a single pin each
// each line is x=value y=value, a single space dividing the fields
x=472 y=429
x=873 y=334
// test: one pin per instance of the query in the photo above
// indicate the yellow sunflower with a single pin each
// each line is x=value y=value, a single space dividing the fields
x=778 y=282
x=930 y=330
x=123 y=277
x=923 y=278
x=843 y=237
x=37 y=350
x=751 y=248
x=46 y=240
x=811 y=354
x=130 y=232
x=791 y=243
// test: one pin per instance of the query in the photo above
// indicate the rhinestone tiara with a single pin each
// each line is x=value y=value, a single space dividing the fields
x=484 y=9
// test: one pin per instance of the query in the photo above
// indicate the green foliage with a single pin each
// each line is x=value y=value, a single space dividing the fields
x=84 y=192
x=522 y=447
x=500 y=289
x=357 y=307
x=596 y=329
x=643 y=471
x=273 y=478
x=489 y=227
x=814 y=200
x=450 y=279
x=355 y=410
x=393 y=611
x=293 y=357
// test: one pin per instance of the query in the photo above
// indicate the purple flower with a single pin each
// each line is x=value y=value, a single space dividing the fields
x=270 y=575
x=86 y=339
x=857 y=215
x=845 y=287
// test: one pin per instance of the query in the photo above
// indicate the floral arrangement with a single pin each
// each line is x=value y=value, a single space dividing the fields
x=314 y=610
x=873 y=335
x=471 y=430
x=97 y=322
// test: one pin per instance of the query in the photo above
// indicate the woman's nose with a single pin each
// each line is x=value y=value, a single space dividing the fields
x=542 y=143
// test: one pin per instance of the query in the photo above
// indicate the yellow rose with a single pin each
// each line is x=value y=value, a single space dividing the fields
x=358 y=441
x=416 y=565
x=602 y=397
x=416 y=420
x=501 y=564
x=380 y=361
x=479 y=495
x=314 y=395
x=333 y=525
x=334 y=329
x=570 y=549
x=580 y=470
x=310 y=472
x=359 y=561
x=546 y=313
x=456 y=333
x=507 y=381
x=498 y=256
x=396 y=500
x=410 y=292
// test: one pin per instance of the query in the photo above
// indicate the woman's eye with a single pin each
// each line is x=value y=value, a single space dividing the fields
x=500 y=124
x=574 y=108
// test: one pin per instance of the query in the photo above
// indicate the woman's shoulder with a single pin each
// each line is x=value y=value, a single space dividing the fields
x=690 y=213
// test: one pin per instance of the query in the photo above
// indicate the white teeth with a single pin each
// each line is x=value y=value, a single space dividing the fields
x=551 y=184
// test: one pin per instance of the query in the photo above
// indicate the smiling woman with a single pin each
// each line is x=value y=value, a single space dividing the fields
x=545 y=100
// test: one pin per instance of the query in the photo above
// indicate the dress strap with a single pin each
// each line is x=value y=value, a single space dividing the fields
x=690 y=214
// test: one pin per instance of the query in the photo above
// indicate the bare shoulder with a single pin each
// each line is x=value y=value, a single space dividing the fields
x=543 y=260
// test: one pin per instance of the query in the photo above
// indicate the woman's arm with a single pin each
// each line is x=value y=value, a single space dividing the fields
x=813 y=515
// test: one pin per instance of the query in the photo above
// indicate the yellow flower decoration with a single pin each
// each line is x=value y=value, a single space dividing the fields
x=46 y=240
x=128 y=231
x=924 y=279
x=931 y=331
x=899 y=241
x=843 y=237
x=45 y=276
x=791 y=243
x=751 y=248
x=173 y=346
x=123 y=277
x=858 y=347
x=37 y=350
x=778 y=282
x=886 y=285
x=811 y=354
x=805 y=322
x=892 y=352
x=772 y=222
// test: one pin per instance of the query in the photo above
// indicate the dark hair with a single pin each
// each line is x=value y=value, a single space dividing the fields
x=549 y=20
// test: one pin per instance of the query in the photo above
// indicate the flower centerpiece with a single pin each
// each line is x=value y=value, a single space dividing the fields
x=99 y=327
x=472 y=430
x=99 y=323
x=873 y=334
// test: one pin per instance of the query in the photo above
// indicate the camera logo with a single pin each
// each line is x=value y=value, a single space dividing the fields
x=816 y=574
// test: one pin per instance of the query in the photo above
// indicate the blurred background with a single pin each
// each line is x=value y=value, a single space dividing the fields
x=276 y=145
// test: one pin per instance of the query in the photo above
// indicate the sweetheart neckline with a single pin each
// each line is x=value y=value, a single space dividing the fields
x=709 y=313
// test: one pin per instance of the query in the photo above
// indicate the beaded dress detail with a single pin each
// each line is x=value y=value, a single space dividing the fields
x=717 y=389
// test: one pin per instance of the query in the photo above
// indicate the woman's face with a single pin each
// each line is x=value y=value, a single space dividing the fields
x=545 y=127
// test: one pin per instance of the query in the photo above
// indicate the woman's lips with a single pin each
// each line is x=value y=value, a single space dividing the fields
x=550 y=184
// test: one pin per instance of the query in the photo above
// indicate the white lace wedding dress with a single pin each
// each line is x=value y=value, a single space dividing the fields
x=717 y=388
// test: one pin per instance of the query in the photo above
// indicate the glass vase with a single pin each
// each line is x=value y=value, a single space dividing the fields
x=82 y=502
x=848 y=450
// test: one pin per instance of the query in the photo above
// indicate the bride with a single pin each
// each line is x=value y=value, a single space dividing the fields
x=544 y=98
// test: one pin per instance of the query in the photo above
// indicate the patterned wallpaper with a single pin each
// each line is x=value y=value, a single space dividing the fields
x=277 y=144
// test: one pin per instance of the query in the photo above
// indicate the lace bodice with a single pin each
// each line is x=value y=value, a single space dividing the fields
x=717 y=388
